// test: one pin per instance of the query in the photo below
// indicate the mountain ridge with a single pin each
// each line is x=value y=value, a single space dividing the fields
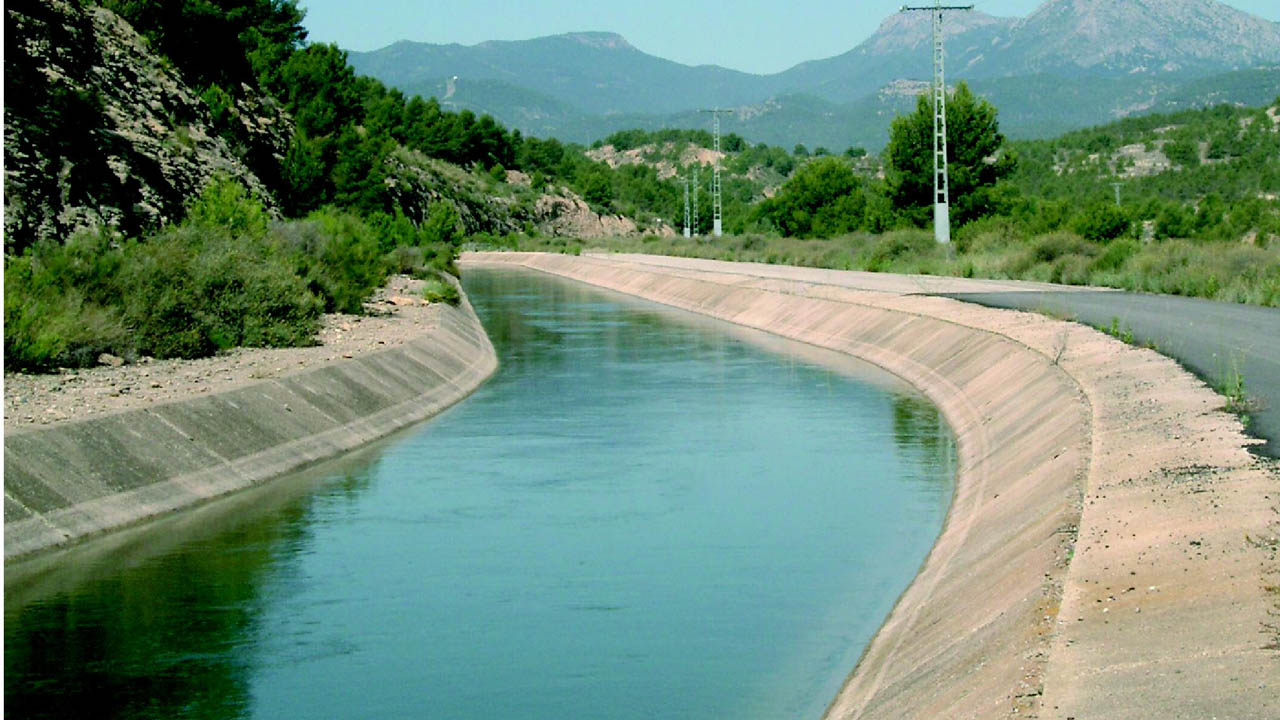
x=1134 y=48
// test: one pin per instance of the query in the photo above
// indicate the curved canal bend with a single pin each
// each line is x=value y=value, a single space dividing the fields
x=643 y=514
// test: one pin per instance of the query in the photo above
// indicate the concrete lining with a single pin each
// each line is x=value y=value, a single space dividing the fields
x=79 y=479
x=1072 y=493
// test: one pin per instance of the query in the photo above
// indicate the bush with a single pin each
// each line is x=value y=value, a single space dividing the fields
x=896 y=245
x=441 y=226
x=187 y=292
x=1175 y=221
x=1101 y=222
x=337 y=255
x=225 y=204
x=1048 y=248
x=193 y=291
x=49 y=324
x=1116 y=255
x=440 y=290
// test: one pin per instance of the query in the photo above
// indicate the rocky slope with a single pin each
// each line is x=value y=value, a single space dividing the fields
x=101 y=131
x=1106 y=37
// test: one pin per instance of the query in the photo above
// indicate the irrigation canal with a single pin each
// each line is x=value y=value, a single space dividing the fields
x=643 y=514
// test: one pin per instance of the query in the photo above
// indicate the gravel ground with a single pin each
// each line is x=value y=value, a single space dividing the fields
x=394 y=315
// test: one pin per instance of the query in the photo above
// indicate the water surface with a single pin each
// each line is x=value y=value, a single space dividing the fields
x=643 y=514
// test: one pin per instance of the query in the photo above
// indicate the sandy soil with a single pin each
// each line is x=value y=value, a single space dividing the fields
x=396 y=314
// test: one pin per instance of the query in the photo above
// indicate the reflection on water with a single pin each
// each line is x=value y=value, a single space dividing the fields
x=642 y=515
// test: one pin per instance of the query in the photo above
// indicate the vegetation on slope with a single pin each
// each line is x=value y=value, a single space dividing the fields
x=355 y=180
x=1199 y=213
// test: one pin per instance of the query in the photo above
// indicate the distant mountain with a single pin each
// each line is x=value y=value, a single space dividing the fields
x=597 y=72
x=1065 y=38
x=900 y=49
x=1069 y=64
x=1125 y=37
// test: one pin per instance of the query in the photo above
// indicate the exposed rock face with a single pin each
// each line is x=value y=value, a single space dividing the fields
x=570 y=215
x=1140 y=36
x=417 y=182
x=101 y=131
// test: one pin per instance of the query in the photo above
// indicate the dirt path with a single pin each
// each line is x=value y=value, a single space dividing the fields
x=396 y=314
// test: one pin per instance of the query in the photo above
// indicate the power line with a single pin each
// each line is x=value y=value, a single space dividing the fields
x=695 y=200
x=717 y=208
x=686 y=207
x=941 y=184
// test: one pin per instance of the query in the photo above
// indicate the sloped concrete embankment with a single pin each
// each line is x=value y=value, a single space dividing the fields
x=78 y=479
x=1106 y=553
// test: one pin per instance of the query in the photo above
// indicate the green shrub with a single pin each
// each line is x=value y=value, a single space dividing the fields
x=442 y=225
x=1101 y=222
x=188 y=292
x=192 y=291
x=1071 y=270
x=337 y=255
x=225 y=204
x=48 y=324
x=893 y=246
x=1116 y=255
x=439 y=290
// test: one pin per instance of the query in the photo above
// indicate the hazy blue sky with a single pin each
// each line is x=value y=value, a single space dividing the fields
x=753 y=35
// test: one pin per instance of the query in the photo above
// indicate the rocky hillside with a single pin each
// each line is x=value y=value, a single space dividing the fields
x=101 y=131
x=1105 y=37
x=1064 y=38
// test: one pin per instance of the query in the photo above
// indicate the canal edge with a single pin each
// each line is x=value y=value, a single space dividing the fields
x=81 y=479
x=1135 y=470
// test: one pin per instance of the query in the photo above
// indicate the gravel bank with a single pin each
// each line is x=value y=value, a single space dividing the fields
x=396 y=314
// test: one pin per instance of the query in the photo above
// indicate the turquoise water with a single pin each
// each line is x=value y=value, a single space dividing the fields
x=644 y=514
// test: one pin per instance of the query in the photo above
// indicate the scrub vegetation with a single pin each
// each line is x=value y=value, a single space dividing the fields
x=1201 y=224
x=367 y=181
x=226 y=276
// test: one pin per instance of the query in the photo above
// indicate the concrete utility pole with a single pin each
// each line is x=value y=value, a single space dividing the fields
x=686 y=207
x=695 y=200
x=941 y=186
x=717 y=209
x=1117 y=186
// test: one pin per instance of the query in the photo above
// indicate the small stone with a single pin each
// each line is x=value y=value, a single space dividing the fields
x=110 y=360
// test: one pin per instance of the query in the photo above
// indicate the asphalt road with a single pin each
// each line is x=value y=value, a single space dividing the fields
x=1212 y=339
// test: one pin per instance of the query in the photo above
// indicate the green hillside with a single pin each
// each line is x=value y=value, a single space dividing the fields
x=1198 y=211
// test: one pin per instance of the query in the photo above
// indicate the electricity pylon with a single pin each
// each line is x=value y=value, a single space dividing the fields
x=941 y=186
x=686 y=207
x=695 y=200
x=717 y=209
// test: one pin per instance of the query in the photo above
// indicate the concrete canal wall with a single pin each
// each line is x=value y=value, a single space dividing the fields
x=78 y=479
x=1106 y=554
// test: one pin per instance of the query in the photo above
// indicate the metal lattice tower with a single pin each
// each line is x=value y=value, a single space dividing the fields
x=717 y=208
x=695 y=201
x=686 y=207
x=941 y=184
